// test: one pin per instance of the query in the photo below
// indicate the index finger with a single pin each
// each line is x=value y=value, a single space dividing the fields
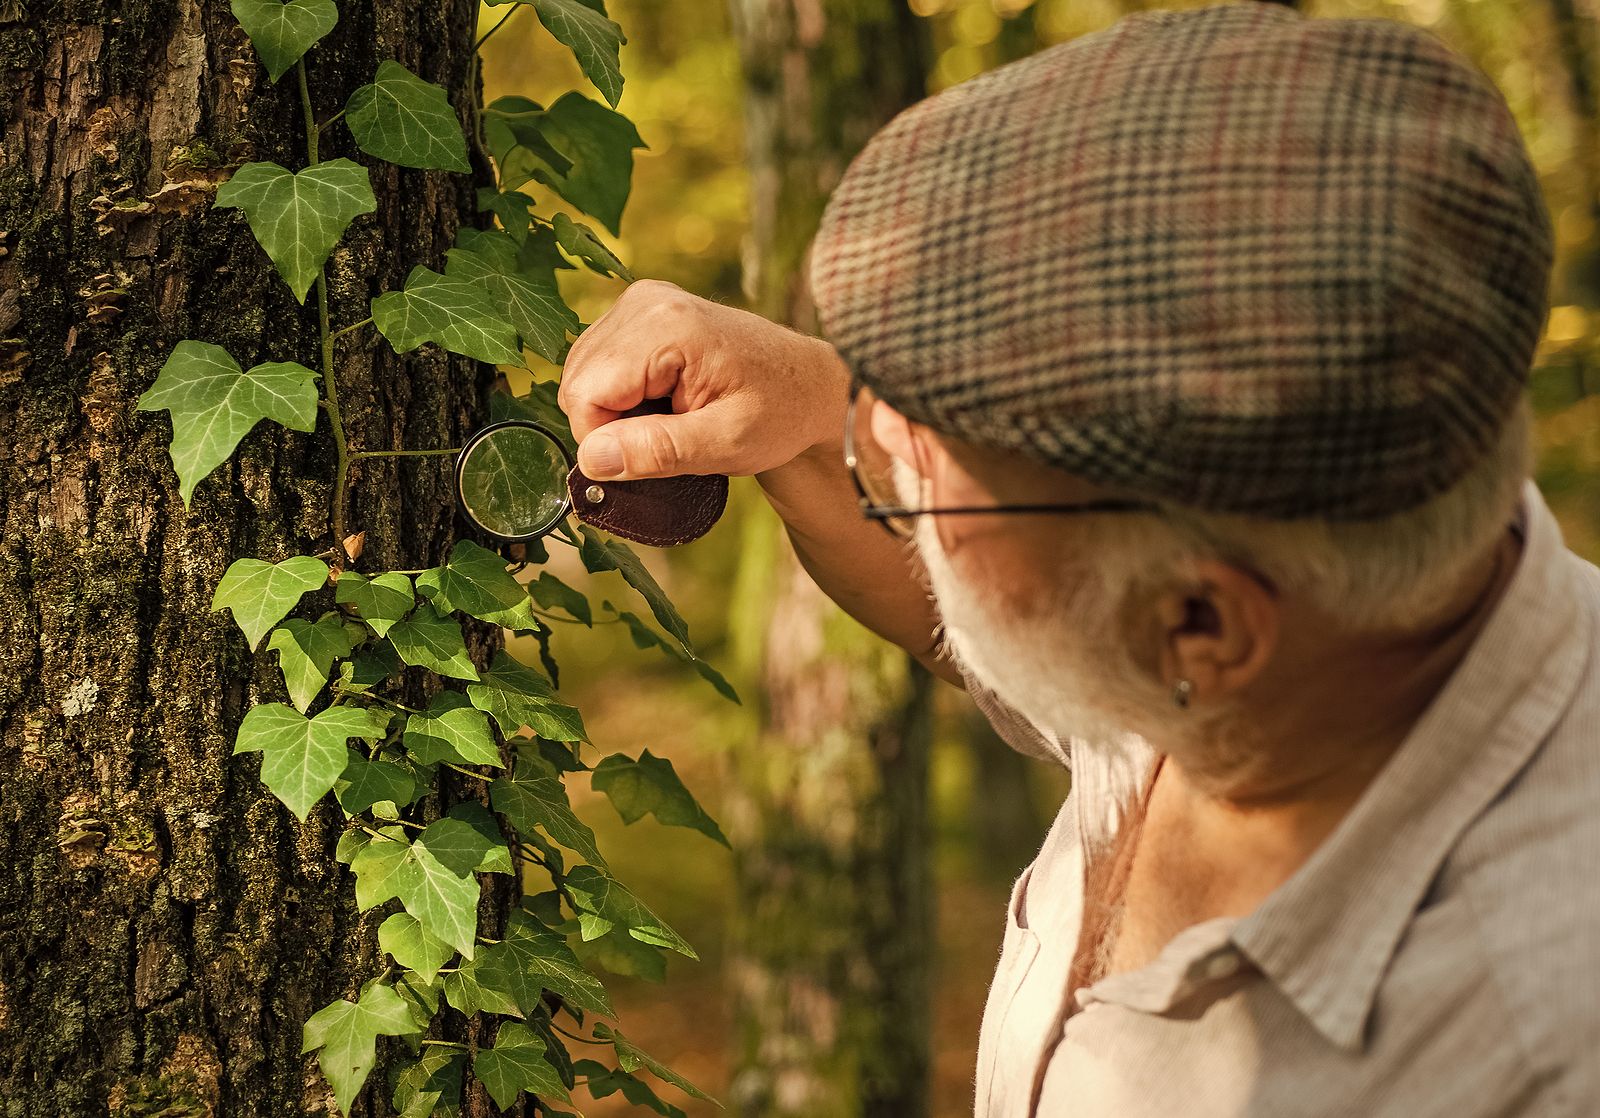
x=602 y=383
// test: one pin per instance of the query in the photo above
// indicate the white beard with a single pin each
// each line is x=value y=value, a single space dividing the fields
x=1047 y=664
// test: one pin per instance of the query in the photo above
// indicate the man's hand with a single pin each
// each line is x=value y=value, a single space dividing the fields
x=747 y=395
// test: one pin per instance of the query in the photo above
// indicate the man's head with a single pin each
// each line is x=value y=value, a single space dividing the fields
x=1085 y=624
x=1282 y=277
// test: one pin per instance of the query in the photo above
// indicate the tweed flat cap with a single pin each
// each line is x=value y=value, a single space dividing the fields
x=1232 y=258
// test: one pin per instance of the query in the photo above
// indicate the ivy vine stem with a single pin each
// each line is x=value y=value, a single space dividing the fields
x=330 y=384
x=357 y=455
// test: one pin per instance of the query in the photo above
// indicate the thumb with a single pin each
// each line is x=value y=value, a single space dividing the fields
x=647 y=446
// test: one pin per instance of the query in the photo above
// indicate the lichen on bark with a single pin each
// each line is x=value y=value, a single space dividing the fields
x=167 y=926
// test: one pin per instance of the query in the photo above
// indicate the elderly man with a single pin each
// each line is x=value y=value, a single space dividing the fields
x=1189 y=357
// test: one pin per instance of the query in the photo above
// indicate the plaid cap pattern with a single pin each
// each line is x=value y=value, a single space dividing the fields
x=1232 y=258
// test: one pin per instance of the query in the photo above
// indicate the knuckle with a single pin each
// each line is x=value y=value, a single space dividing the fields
x=657 y=449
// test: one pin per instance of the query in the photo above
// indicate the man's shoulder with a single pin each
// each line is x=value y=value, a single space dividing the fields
x=1525 y=880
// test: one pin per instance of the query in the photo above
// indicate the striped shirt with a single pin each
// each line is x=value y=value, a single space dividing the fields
x=1438 y=954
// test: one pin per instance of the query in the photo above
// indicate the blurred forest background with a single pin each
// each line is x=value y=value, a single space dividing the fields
x=700 y=219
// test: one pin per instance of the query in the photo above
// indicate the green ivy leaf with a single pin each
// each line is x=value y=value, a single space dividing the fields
x=379 y=601
x=600 y=144
x=578 y=240
x=516 y=696
x=467 y=841
x=451 y=730
x=403 y=937
x=282 y=33
x=377 y=867
x=350 y=844
x=214 y=404
x=533 y=795
x=600 y=553
x=261 y=594
x=603 y=1082
x=632 y=1058
x=407 y=121
x=538 y=404
x=428 y=639
x=604 y=903
x=371 y=665
x=480 y=987
x=452 y=313
x=538 y=959
x=433 y=1080
x=475 y=581
x=306 y=652
x=422 y=997
x=347 y=1034
x=298 y=219
x=645 y=637
x=521 y=152
x=364 y=783
x=525 y=293
x=651 y=786
x=516 y=1063
x=620 y=953
x=595 y=41
x=445 y=902
x=302 y=757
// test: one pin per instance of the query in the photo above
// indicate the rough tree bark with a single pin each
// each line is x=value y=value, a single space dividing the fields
x=831 y=952
x=165 y=925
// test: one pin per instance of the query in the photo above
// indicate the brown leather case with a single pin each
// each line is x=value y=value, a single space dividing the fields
x=660 y=512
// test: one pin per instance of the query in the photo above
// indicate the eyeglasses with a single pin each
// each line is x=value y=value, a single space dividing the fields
x=879 y=478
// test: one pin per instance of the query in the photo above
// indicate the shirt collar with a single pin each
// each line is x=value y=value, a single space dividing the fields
x=1326 y=936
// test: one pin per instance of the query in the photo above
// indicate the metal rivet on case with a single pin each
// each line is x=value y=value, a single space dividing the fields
x=594 y=494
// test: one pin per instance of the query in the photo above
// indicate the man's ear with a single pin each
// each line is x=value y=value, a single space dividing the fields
x=1218 y=632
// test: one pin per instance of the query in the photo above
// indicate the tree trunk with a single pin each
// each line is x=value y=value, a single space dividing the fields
x=166 y=927
x=832 y=948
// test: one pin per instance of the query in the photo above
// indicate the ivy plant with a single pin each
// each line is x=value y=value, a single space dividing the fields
x=358 y=637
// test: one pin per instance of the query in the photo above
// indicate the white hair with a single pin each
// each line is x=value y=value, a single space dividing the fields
x=1391 y=574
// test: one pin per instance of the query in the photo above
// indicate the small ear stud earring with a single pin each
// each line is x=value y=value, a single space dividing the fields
x=1181 y=691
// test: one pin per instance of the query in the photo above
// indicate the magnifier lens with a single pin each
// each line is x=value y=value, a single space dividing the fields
x=512 y=480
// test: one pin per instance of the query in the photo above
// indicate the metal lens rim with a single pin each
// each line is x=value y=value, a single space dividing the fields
x=566 y=497
x=896 y=519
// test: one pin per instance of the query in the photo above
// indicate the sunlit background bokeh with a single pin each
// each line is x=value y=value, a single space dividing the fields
x=686 y=222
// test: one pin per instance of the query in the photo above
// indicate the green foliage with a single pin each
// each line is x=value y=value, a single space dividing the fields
x=347 y=1032
x=452 y=313
x=214 y=404
x=533 y=796
x=298 y=218
x=651 y=786
x=515 y=1064
x=407 y=121
x=282 y=33
x=380 y=601
x=632 y=1058
x=261 y=594
x=412 y=947
x=302 y=757
x=595 y=40
x=600 y=144
x=307 y=652
x=429 y=639
x=516 y=696
x=521 y=286
x=417 y=839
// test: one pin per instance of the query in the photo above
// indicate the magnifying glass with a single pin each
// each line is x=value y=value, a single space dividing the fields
x=516 y=480
x=511 y=480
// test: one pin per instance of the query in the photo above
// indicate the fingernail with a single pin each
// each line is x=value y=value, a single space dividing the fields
x=601 y=457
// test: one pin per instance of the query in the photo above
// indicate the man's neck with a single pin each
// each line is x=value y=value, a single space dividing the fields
x=1237 y=812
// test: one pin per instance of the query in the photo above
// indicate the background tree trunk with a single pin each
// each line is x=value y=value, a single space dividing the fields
x=830 y=954
x=165 y=925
